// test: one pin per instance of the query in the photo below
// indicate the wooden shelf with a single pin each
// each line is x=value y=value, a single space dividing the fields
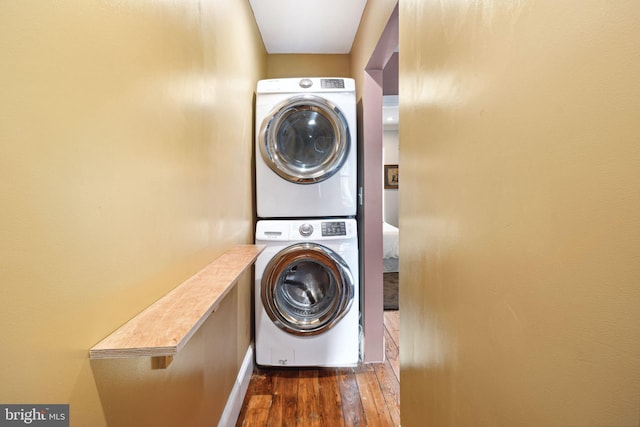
x=163 y=329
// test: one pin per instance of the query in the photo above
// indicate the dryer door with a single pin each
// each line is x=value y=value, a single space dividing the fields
x=305 y=139
x=306 y=289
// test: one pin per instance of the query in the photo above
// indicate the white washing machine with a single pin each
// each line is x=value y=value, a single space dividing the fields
x=307 y=293
x=306 y=156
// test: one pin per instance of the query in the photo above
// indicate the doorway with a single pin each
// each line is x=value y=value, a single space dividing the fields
x=371 y=181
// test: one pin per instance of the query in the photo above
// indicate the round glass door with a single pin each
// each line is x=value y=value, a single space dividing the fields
x=306 y=289
x=305 y=139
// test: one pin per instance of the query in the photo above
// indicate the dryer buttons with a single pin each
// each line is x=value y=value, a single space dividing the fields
x=306 y=230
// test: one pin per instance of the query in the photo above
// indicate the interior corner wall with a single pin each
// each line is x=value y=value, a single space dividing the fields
x=519 y=213
x=308 y=65
x=372 y=24
x=118 y=123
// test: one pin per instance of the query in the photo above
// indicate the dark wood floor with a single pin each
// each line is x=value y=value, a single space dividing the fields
x=367 y=395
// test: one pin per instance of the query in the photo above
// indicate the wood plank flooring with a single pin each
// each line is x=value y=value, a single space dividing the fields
x=367 y=395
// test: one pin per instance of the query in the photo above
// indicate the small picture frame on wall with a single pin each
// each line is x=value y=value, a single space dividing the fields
x=391 y=177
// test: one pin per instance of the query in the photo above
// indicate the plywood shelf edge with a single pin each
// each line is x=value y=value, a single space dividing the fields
x=162 y=329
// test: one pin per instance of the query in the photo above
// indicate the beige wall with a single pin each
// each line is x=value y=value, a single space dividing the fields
x=307 y=65
x=519 y=213
x=117 y=124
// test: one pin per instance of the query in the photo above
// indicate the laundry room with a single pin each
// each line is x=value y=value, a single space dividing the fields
x=129 y=226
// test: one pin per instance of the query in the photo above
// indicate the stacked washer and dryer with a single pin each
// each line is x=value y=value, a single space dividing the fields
x=306 y=279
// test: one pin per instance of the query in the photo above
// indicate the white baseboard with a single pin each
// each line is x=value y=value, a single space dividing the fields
x=234 y=402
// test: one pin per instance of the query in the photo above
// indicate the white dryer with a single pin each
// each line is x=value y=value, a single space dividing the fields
x=306 y=156
x=307 y=293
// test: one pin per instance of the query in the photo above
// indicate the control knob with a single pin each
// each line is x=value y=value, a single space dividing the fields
x=306 y=230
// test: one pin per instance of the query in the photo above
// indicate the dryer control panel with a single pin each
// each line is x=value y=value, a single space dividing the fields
x=332 y=83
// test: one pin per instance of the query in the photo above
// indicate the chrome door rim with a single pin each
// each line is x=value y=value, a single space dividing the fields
x=303 y=174
x=281 y=264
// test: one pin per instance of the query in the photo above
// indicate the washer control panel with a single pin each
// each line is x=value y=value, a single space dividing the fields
x=334 y=228
x=329 y=229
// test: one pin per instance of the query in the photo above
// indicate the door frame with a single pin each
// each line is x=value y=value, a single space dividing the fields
x=372 y=201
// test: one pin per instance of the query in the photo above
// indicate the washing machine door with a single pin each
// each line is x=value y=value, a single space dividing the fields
x=305 y=139
x=306 y=289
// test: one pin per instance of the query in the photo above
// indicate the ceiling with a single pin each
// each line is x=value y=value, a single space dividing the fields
x=308 y=26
